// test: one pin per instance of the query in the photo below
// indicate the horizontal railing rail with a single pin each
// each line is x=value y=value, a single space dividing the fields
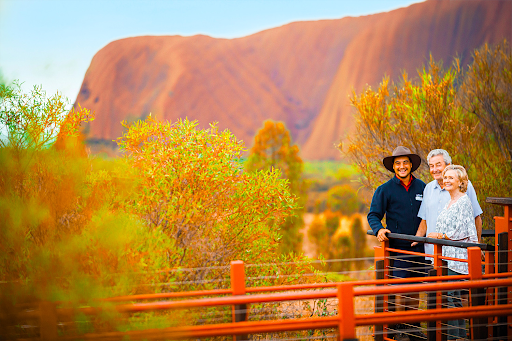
x=345 y=319
x=444 y=242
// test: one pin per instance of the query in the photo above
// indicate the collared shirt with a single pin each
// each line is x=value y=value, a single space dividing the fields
x=403 y=183
x=434 y=200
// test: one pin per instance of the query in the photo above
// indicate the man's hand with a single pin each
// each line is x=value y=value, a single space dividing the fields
x=422 y=230
x=381 y=235
x=478 y=225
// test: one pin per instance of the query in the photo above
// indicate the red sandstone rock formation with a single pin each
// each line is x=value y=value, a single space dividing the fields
x=300 y=73
x=402 y=40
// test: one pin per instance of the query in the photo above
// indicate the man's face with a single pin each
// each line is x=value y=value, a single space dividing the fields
x=402 y=166
x=437 y=166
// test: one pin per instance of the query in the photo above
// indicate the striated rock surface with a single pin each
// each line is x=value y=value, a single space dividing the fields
x=403 y=40
x=301 y=73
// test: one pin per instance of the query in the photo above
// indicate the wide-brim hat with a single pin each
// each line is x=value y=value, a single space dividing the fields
x=401 y=151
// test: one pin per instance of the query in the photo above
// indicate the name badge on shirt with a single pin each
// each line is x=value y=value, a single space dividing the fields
x=419 y=197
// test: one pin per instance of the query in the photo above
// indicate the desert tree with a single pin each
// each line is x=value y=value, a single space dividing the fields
x=192 y=186
x=273 y=149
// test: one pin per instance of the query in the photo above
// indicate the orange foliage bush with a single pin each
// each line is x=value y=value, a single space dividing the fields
x=61 y=236
x=192 y=185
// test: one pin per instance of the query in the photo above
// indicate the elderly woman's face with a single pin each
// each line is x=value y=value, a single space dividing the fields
x=451 y=180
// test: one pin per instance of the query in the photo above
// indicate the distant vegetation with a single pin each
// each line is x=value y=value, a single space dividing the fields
x=273 y=150
x=330 y=183
x=335 y=196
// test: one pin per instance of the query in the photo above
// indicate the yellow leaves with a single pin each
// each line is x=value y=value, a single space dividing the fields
x=192 y=186
x=415 y=115
x=74 y=119
x=32 y=120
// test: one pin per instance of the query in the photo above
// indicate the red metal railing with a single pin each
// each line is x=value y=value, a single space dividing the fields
x=495 y=307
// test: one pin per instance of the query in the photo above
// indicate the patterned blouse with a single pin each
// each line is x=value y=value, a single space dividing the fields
x=458 y=223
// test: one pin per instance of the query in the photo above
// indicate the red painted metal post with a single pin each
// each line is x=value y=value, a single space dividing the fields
x=491 y=292
x=431 y=304
x=382 y=253
x=438 y=252
x=379 y=299
x=507 y=220
x=478 y=324
x=503 y=236
x=475 y=263
x=347 y=322
x=238 y=277
x=239 y=311
x=438 y=262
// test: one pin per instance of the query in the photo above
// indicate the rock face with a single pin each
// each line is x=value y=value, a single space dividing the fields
x=301 y=73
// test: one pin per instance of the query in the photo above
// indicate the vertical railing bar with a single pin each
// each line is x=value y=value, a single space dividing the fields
x=438 y=267
x=239 y=311
x=444 y=299
x=347 y=320
x=501 y=330
x=431 y=304
x=379 y=300
x=491 y=292
x=478 y=324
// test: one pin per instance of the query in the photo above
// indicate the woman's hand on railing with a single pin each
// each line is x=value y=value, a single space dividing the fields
x=436 y=235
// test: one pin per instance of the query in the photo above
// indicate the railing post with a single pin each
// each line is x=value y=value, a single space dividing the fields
x=379 y=299
x=239 y=311
x=431 y=304
x=502 y=259
x=443 y=302
x=478 y=324
x=441 y=270
x=382 y=254
x=48 y=321
x=391 y=298
x=503 y=237
x=474 y=263
x=347 y=321
x=438 y=252
x=491 y=293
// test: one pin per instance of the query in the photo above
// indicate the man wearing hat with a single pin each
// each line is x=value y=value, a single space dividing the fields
x=399 y=199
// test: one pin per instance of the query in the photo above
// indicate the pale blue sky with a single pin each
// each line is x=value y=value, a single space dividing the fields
x=51 y=42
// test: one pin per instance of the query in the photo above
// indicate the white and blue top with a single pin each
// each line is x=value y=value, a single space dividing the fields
x=458 y=223
x=434 y=199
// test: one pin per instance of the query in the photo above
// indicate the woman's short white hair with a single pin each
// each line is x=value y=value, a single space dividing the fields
x=446 y=157
x=461 y=174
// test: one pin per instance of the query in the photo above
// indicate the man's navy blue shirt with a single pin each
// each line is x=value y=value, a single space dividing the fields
x=400 y=208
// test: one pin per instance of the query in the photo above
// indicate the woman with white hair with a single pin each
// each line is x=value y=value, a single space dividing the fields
x=456 y=222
